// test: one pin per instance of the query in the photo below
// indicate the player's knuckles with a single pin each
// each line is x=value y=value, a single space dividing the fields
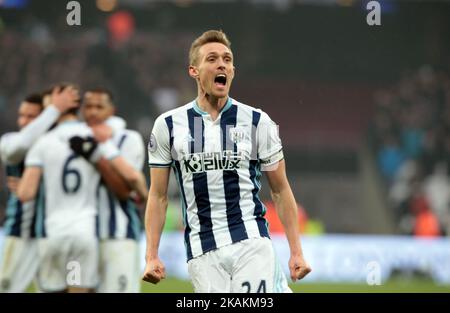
x=151 y=278
x=306 y=269
x=304 y=272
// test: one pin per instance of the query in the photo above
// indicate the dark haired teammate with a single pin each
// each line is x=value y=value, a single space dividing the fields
x=119 y=221
x=67 y=231
x=217 y=147
x=19 y=256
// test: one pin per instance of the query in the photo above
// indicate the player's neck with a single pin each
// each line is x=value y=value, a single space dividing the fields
x=211 y=105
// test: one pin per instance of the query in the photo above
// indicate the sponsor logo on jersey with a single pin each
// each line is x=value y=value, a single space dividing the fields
x=212 y=161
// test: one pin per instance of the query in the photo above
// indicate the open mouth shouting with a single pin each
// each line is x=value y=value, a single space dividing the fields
x=220 y=80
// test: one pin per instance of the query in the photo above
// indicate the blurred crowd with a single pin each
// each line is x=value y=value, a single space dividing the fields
x=147 y=72
x=411 y=139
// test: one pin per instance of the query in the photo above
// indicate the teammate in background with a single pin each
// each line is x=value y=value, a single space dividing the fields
x=19 y=261
x=104 y=166
x=217 y=147
x=119 y=220
x=68 y=245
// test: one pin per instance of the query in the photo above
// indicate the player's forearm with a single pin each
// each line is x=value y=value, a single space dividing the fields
x=16 y=149
x=30 y=133
x=141 y=186
x=155 y=217
x=138 y=183
x=113 y=180
x=134 y=179
x=287 y=211
x=29 y=184
x=25 y=194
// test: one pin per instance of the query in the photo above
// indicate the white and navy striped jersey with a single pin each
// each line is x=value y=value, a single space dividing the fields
x=70 y=183
x=218 y=167
x=120 y=219
x=20 y=218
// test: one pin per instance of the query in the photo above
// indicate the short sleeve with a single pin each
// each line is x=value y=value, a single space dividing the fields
x=7 y=154
x=159 y=154
x=133 y=150
x=270 y=150
x=116 y=123
x=34 y=157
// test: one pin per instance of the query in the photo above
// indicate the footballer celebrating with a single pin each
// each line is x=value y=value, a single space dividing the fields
x=119 y=221
x=19 y=261
x=217 y=148
x=67 y=224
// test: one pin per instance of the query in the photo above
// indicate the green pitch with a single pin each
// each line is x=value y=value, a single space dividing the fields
x=405 y=286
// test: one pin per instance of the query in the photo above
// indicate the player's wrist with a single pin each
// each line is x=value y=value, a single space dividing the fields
x=151 y=256
x=107 y=150
x=58 y=106
x=116 y=123
x=53 y=107
x=296 y=254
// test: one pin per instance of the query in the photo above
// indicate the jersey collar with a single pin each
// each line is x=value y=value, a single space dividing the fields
x=201 y=112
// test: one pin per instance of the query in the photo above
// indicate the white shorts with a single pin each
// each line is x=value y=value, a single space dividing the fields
x=248 y=266
x=68 y=262
x=19 y=264
x=119 y=266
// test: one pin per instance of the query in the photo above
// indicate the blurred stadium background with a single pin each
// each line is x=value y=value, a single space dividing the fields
x=364 y=113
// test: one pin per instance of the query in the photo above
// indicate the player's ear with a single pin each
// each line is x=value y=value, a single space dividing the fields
x=193 y=71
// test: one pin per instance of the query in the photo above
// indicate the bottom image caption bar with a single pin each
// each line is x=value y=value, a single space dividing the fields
x=225 y=303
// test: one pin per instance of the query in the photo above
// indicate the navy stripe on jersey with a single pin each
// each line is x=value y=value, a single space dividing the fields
x=97 y=226
x=97 y=196
x=121 y=141
x=129 y=208
x=135 y=219
x=169 y=123
x=126 y=208
x=34 y=217
x=15 y=229
x=200 y=181
x=15 y=170
x=14 y=206
x=40 y=212
x=255 y=176
x=15 y=211
x=187 y=231
x=112 y=215
x=159 y=164
x=179 y=177
x=231 y=180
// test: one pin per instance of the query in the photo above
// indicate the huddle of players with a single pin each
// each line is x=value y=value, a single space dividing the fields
x=72 y=219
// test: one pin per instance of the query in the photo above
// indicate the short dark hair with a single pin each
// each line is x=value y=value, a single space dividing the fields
x=36 y=99
x=63 y=85
x=103 y=90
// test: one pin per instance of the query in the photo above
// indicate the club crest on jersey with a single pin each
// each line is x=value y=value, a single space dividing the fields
x=189 y=138
x=236 y=134
x=152 y=145
x=212 y=161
